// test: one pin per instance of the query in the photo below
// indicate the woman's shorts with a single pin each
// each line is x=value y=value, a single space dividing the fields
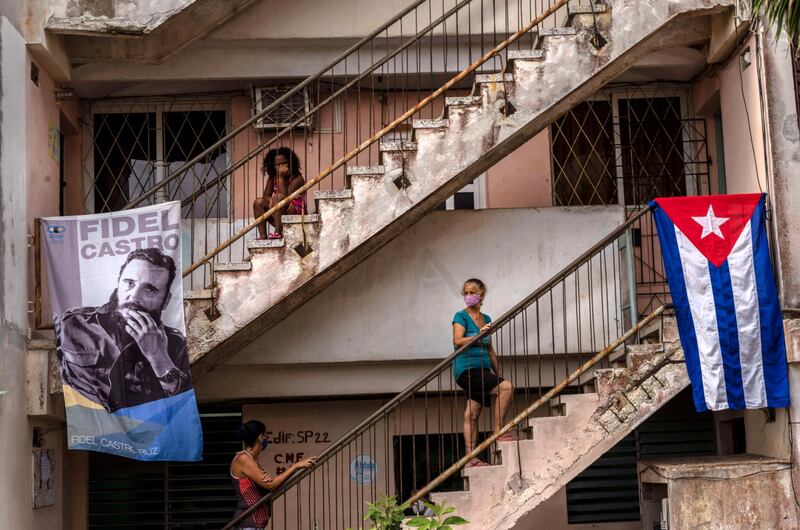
x=478 y=383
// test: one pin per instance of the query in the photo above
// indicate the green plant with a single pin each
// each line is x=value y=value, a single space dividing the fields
x=438 y=521
x=385 y=513
x=781 y=14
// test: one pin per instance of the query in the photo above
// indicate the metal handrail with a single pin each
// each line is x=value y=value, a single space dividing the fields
x=374 y=138
x=547 y=397
x=429 y=376
x=272 y=106
x=343 y=89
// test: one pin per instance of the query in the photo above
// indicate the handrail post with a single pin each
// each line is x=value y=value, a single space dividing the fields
x=633 y=303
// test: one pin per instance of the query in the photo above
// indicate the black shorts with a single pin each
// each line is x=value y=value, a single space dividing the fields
x=478 y=383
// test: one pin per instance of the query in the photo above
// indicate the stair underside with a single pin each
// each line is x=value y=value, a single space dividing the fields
x=478 y=137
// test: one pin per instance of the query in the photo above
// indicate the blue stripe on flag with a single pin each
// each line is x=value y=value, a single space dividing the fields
x=728 y=333
x=677 y=287
x=773 y=346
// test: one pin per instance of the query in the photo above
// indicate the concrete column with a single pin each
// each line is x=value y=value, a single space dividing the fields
x=784 y=155
x=15 y=436
x=16 y=427
x=784 y=158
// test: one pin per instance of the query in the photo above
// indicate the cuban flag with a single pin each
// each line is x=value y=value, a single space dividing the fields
x=726 y=304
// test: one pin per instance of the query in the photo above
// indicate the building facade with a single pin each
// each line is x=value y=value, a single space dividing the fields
x=424 y=173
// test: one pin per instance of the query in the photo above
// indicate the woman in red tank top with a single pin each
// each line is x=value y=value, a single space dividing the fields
x=251 y=481
x=282 y=167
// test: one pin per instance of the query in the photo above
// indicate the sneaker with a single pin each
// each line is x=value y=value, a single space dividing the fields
x=274 y=235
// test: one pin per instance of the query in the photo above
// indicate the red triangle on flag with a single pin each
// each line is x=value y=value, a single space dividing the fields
x=712 y=223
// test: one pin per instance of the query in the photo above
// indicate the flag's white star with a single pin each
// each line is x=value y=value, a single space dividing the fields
x=711 y=223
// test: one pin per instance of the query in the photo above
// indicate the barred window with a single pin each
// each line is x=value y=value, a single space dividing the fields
x=135 y=145
x=628 y=146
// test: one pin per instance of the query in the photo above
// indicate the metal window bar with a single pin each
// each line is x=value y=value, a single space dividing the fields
x=628 y=145
x=375 y=87
x=543 y=344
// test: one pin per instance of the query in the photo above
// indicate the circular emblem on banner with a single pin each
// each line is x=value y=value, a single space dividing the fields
x=363 y=470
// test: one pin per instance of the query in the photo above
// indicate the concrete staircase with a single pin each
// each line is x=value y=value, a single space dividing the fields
x=531 y=471
x=475 y=132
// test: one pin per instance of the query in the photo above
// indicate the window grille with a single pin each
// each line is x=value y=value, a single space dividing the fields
x=628 y=146
x=287 y=112
x=132 y=144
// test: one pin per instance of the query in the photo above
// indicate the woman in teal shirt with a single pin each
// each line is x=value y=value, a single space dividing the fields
x=476 y=369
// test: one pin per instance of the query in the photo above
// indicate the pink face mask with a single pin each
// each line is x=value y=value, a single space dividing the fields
x=472 y=299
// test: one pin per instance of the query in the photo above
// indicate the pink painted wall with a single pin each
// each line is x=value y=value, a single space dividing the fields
x=523 y=178
x=744 y=162
x=73 y=147
x=42 y=135
x=42 y=162
x=357 y=118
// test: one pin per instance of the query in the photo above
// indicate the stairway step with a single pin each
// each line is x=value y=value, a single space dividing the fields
x=558 y=408
x=640 y=354
x=402 y=145
x=543 y=427
x=617 y=355
x=463 y=101
x=333 y=194
x=557 y=32
x=526 y=55
x=297 y=219
x=234 y=266
x=198 y=294
x=586 y=10
x=477 y=474
x=610 y=381
x=430 y=124
x=262 y=244
x=366 y=170
x=494 y=78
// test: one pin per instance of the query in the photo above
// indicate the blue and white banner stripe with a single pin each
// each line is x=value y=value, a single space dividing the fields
x=729 y=318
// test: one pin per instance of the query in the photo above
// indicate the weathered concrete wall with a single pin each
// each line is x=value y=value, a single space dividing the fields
x=380 y=312
x=16 y=432
x=784 y=138
x=744 y=162
x=720 y=493
x=279 y=39
x=146 y=14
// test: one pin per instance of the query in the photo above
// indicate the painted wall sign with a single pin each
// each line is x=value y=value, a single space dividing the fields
x=363 y=470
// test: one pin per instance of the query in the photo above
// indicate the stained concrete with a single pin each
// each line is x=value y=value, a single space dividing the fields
x=16 y=429
x=784 y=143
x=724 y=492
x=143 y=31
x=439 y=163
